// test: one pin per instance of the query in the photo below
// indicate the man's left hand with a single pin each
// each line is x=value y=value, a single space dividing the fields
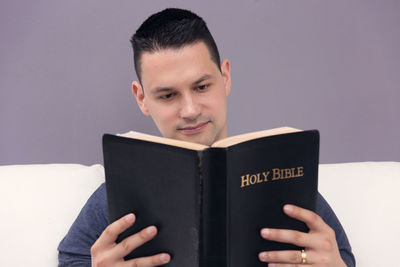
x=320 y=244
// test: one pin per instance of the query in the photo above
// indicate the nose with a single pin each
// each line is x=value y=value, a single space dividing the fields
x=189 y=110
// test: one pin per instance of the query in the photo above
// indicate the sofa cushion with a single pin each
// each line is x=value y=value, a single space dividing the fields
x=38 y=205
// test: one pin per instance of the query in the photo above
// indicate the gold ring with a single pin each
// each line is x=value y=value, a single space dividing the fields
x=303 y=256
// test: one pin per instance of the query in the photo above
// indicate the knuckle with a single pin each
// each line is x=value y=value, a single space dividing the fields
x=126 y=245
x=272 y=256
x=326 y=245
x=314 y=217
x=102 y=261
x=297 y=211
x=274 y=233
x=293 y=256
x=134 y=264
x=143 y=235
x=297 y=237
x=155 y=260
x=109 y=231
x=94 y=249
x=331 y=233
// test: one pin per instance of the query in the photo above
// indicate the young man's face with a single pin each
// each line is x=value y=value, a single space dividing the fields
x=185 y=93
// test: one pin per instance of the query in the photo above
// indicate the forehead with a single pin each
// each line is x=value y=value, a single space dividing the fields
x=174 y=67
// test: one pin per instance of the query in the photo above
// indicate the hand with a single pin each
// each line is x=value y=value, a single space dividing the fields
x=105 y=252
x=320 y=242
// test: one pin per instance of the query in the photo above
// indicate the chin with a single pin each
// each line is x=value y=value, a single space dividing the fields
x=207 y=141
x=199 y=139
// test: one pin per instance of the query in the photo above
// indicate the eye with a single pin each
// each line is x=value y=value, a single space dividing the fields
x=202 y=87
x=167 y=96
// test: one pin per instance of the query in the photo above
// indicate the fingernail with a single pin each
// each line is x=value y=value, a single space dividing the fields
x=151 y=230
x=130 y=218
x=263 y=256
x=164 y=257
x=288 y=208
x=265 y=232
x=272 y=265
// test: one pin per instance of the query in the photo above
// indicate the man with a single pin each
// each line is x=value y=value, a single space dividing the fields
x=183 y=86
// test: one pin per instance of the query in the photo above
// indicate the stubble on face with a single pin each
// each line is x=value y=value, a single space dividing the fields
x=185 y=93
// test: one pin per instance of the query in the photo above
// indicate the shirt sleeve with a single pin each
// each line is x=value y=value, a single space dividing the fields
x=74 y=249
x=327 y=214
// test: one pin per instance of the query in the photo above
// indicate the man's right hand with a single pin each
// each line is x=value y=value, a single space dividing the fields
x=106 y=252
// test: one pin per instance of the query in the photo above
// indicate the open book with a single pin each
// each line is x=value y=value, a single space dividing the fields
x=209 y=203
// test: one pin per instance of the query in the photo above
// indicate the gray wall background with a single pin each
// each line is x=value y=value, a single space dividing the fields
x=66 y=69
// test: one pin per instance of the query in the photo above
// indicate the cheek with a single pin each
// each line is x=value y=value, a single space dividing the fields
x=216 y=106
x=162 y=116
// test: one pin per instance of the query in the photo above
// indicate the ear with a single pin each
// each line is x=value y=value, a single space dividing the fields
x=226 y=75
x=138 y=92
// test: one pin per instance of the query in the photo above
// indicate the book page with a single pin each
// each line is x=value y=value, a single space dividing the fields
x=229 y=141
x=233 y=140
x=163 y=140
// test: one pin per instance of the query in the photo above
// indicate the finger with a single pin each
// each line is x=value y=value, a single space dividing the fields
x=110 y=234
x=287 y=236
x=311 y=219
x=155 y=260
x=134 y=241
x=285 y=257
x=284 y=265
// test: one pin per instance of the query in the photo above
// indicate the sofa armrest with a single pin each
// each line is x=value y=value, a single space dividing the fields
x=365 y=196
x=38 y=204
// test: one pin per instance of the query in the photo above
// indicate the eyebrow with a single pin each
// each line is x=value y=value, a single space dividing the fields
x=158 y=90
x=161 y=89
x=203 y=78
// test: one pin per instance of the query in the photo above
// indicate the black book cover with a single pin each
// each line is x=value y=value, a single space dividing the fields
x=210 y=205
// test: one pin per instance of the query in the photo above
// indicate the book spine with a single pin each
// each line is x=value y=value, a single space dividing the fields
x=212 y=247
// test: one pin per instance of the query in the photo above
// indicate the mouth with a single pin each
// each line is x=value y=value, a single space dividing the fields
x=188 y=130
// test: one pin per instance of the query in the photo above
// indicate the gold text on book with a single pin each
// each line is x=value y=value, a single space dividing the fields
x=271 y=175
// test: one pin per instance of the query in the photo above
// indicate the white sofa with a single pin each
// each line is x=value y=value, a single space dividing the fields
x=38 y=203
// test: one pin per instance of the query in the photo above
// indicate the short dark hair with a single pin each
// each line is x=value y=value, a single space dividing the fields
x=171 y=28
